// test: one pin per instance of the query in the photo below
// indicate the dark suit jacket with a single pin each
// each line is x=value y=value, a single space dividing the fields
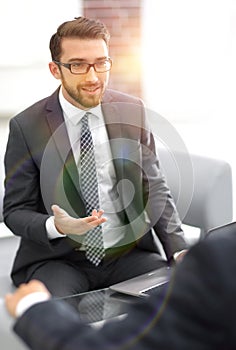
x=41 y=171
x=198 y=313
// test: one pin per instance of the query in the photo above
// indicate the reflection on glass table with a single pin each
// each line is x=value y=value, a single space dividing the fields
x=104 y=304
x=101 y=305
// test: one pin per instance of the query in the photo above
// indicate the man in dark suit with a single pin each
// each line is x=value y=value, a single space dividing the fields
x=45 y=199
x=197 y=313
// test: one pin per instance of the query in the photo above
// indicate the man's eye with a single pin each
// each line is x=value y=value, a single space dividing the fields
x=76 y=65
x=101 y=64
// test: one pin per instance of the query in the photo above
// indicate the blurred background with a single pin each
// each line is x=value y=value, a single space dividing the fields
x=179 y=56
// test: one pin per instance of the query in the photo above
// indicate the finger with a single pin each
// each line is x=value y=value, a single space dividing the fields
x=97 y=222
x=37 y=286
x=90 y=219
x=8 y=296
x=98 y=213
x=94 y=212
x=102 y=220
x=35 y=283
x=94 y=221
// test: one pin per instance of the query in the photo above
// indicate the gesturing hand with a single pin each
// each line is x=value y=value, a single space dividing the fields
x=66 y=224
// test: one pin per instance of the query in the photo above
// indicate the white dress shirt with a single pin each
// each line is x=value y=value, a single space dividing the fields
x=113 y=231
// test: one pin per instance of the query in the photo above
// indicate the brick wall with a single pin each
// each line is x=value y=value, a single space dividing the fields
x=123 y=19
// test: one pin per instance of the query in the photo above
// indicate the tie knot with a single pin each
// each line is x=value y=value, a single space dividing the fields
x=84 y=119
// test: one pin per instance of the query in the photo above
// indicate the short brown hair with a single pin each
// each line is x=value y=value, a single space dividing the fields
x=80 y=27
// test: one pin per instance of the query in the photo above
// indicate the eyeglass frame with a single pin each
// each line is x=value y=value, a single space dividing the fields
x=89 y=65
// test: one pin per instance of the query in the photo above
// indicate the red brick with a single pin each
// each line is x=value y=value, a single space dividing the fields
x=122 y=18
x=111 y=4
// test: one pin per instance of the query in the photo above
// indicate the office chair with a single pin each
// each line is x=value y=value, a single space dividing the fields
x=201 y=187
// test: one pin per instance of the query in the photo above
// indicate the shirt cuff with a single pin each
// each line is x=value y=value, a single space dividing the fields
x=176 y=254
x=51 y=229
x=29 y=300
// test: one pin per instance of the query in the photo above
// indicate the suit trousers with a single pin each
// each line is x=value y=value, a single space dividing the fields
x=75 y=274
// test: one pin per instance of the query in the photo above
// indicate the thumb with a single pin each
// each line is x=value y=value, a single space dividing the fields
x=57 y=211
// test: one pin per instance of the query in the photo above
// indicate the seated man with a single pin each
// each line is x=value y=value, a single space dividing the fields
x=86 y=147
x=198 y=312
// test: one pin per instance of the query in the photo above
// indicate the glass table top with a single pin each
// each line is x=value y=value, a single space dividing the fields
x=101 y=305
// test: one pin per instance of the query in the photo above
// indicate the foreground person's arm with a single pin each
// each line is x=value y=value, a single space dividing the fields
x=197 y=314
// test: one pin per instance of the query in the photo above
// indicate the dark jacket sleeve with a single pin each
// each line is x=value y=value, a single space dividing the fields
x=24 y=211
x=196 y=313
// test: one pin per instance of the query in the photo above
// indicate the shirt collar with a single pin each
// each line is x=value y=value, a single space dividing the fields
x=75 y=114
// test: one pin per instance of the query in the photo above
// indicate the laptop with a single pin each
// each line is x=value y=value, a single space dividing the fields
x=222 y=231
x=146 y=284
x=155 y=281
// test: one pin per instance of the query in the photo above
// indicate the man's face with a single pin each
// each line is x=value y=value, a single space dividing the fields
x=84 y=90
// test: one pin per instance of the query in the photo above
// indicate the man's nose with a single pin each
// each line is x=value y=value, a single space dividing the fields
x=91 y=75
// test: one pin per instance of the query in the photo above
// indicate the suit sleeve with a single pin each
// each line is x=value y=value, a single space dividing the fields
x=24 y=212
x=159 y=201
x=191 y=315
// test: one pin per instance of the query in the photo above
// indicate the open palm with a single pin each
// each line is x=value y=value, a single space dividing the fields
x=66 y=224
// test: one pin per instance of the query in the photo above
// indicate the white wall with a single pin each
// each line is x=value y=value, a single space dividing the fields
x=189 y=66
x=25 y=30
x=190 y=55
x=189 y=62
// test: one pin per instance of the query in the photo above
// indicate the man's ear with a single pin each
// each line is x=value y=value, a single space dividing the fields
x=54 y=69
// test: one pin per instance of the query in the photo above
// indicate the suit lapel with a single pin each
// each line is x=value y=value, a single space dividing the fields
x=114 y=130
x=60 y=138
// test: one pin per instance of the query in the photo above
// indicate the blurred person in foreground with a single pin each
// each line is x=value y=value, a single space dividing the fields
x=197 y=312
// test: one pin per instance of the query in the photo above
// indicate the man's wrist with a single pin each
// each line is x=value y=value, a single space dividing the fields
x=29 y=300
x=52 y=230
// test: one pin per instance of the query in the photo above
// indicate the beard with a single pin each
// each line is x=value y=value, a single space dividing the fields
x=80 y=97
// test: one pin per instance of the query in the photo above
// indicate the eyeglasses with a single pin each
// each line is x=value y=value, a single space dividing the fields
x=83 y=68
